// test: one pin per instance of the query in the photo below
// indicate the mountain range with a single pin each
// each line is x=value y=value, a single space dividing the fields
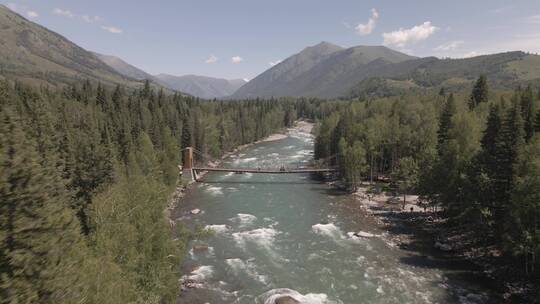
x=200 y=86
x=327 y=70
x=33 y=54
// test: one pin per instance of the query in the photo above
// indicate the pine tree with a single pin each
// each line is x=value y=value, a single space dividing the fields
x=187 y=141
x=489 y=140
x=479 y=93
x=483 y=169
x=116 y=98
x=527 y=100
x=40 y=244
x=537 y=122
x=147 y=90
x=510 y=140
x=445 y=122
x=525 y=212
x=101 y=98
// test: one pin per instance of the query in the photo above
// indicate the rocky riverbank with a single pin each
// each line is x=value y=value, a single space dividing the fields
x=424 y=233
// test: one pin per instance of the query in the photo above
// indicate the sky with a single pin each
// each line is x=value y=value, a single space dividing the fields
x=242 y=38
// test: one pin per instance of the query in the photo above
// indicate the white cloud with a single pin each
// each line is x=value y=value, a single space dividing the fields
x=449 y=46
x=273 y=63
x=90 y=19
x=366 y=29
x=403 y=36
x=499 y=10
x=211 y=59
x=237 y=59
x=112 y=29
x=32 y=14
x=62 y=12
x=533 y=19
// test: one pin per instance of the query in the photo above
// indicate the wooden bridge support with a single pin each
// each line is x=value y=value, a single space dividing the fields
x=188 y=175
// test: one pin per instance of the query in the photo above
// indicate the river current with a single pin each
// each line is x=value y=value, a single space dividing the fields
x=277 y=235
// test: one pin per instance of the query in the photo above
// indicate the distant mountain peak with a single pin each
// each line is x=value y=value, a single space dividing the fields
x=201 y=86
x=319 y=70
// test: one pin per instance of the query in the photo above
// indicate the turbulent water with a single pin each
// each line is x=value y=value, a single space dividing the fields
x=277 y=235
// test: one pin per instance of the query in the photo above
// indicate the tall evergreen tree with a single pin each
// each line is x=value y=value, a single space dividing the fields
x=445 y=122
x=511 y=139
x=527 y=100
x=537 y=122
x=489 y=140
x=40 y=244
x=479 y=92
x=187 y=140
x=483 y=171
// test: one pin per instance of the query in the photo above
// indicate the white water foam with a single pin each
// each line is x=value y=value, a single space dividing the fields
x=217 y=228
x=215 y=191
x=238 y=267
x=200 y=274
x=271 y=296
x=329 y=230
x=245 y=160
x=262 y=237
x=244 y=219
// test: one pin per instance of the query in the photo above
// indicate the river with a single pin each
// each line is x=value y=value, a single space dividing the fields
x=277 y=235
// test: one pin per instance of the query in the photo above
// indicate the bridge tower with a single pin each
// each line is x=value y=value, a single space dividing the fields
x=188 y=176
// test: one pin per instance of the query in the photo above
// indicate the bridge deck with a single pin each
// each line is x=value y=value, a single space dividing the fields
x=267 y=171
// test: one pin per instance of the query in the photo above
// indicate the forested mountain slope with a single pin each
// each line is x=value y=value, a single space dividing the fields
x=377 y=70
x=34 y=54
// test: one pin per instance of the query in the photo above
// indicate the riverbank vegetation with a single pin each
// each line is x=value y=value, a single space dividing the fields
x=86 y=173
x=474 y=155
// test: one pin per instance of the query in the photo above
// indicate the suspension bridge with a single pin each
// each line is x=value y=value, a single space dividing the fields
x=191 y=168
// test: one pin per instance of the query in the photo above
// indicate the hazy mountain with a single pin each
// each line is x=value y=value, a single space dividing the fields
x=123 y=67
x=201 y=86
x=326 y=70
x=34 y=54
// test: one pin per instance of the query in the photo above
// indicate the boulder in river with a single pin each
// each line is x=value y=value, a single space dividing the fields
x=196 y=211
x=200 y=247
x=443 y=246
x=286 y=300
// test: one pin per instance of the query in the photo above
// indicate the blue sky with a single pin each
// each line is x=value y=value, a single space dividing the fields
x=242 y=38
